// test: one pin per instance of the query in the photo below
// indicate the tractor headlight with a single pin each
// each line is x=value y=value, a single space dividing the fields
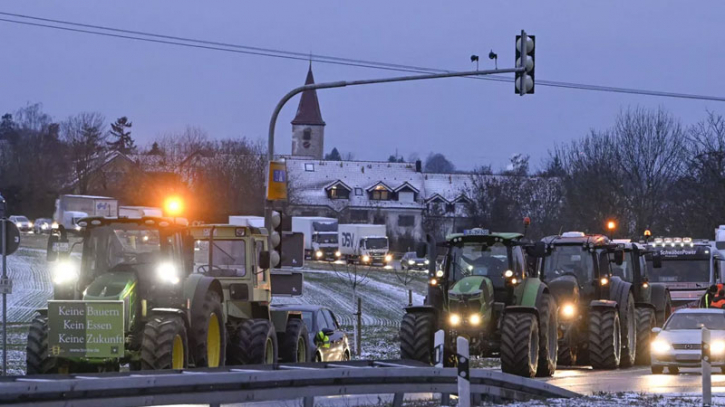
x=365 y=258
x=64 y=272
x=318 y=254
x=717 y=348
x=660 y=346
x=78 y=228
x=474 y=319
x=508 y=273
x=427 y=262
x=568 y=311
x=411 y=262
x=388 y=258
x=338 y=254
x=439 y=273
x=454 y=319
x=54 y=225
x=168 y=273
x=604 y=281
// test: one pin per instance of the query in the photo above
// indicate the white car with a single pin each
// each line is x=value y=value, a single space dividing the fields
x=678 y=344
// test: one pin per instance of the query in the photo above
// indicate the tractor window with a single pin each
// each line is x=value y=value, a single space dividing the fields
x=478 y=259
x=625 y=271
x=518 y=260
x=229 y=258
x=258 y=247
x=122 y=245
x=569 y=260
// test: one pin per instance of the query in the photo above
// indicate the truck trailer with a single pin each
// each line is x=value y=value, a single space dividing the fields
x=139 y=211
x=321 y=238
x=364 y=244
x=71 y=208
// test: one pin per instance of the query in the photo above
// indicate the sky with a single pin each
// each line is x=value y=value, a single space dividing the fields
x=648 y=44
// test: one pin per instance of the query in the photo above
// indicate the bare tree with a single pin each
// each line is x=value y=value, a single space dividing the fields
x=354 y=275
x=84 y=133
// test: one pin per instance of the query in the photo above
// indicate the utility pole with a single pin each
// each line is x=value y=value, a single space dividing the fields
x=523 y=69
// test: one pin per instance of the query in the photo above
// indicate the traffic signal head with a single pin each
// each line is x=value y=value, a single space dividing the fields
x=525 y=57
x=275 y=238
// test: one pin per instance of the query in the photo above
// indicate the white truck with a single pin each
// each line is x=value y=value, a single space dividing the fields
x=252 y=221
x=71 y=208
x=365 y=244
x=321 y=240
x=139 y=211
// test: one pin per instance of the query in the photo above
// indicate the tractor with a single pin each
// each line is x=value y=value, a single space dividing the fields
x=135 y=296
x=598 y=317
x=486 y=293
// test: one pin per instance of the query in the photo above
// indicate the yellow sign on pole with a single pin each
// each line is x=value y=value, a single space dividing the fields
x=277 y=181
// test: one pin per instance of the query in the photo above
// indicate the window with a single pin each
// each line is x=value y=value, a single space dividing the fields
x=380 y=195
x=406 y=196
x=406 y=220
x=309 y=167
x=321 y=321
x=358 y=192
x=338 y=193
x=331 y=322
x=518 y=260
x=228 y=256
x=378 y=219
x=307 y=134
x=359 y=216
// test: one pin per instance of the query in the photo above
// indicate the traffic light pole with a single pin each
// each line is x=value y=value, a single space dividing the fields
x=342 y=84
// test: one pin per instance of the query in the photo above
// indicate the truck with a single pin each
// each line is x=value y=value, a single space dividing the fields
x=321 y=236
x=138 y=211
x=364 y=244
x=688 y=267
x=69 y=209
x=243 y=220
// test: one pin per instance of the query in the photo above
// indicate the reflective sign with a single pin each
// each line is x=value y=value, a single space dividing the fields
x=277 y=181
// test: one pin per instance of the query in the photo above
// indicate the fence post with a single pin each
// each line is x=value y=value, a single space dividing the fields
x=706 y=369
x=358 y=345
x=464 y=384
x=438 y=349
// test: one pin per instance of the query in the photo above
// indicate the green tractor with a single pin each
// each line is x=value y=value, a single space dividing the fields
x=485 y=292
x=136 y=296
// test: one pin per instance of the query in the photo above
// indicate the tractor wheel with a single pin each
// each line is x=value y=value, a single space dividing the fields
x=295 y=344
x=520 y=344
x=629 y=334
x=36 y=355
x=645 y=322
x=662 y=315
x=254 y=343
x=208 y=337
x=548 y=341
x=568 y=348
x=416 y=337
x=605 y=338
x=658 y=369
x=164 y=344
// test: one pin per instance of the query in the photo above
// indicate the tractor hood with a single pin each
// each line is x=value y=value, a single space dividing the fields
x=565 y=289
x=470 y=292
x=116 y=286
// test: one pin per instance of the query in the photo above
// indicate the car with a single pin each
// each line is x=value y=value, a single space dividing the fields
x=411 y=261
x=42 y=225
x=23 y=223
x=678 y=343
x=322 y=319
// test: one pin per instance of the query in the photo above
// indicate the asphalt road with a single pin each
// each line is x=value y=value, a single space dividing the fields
x=638 y=380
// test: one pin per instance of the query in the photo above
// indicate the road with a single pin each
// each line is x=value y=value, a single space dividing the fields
x=637 y=380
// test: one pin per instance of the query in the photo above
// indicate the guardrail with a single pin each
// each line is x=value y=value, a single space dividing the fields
x=264 y=383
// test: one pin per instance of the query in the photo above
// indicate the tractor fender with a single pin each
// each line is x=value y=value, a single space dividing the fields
x=195 y=288
x=618 y=292
x=522 y=309
x=659 y=296
x=173 y=311
x=421 y=309
x=603 y=304
x=530 y=293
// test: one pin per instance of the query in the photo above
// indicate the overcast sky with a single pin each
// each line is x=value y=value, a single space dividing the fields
x=655 y=44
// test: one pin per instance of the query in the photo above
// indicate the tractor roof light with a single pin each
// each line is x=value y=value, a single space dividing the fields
x=174 y=206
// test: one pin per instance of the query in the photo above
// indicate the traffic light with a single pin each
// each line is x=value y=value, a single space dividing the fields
x=525 y=53
x=275 y=252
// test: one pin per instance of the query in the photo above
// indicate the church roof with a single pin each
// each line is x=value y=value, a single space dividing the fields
x=308 y=111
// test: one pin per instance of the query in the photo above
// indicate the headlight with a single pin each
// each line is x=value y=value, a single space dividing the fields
x=568 y=311
x=604 y=281
x=388 y=258
x=411 y=261
x=439 y=273
x=365 y=258
x=514 y=281
x=660 y=346
x=64 y=272
x=44 y=226
x=454 y=319
x=508 y=273
x=433 y=281
x=30 y=224
x=474 y=319
x=717 y=348
x=54 y=225
x=338 y=254
x=426 y=261
x=78 y=228
x=168 y=273
x=318 y=254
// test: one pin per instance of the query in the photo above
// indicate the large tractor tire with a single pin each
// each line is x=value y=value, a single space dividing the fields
x=295 y=342
x=416 y=337
x=548 y=341
x=629 y=334
x=36 y=351
x=208 y=337
x=520 y=344
x=165 y=344
x=645 y=322
x=605 y=338
x=567 y=355
x=254 y=343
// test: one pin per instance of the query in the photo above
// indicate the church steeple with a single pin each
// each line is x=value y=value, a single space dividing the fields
x=308 y=111
x=308 y=128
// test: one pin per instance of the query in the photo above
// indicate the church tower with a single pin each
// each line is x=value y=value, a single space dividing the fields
x=308 y=128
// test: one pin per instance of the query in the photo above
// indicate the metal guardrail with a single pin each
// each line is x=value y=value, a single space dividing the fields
x=264 y=383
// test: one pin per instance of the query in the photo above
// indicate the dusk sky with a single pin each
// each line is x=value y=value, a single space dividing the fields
x=654 y=45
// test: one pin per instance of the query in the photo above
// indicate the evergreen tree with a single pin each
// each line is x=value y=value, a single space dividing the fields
x=123 y=142
x=155 y=150
x=334 y=155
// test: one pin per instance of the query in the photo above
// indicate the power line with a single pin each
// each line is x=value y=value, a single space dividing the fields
x=325 y=59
